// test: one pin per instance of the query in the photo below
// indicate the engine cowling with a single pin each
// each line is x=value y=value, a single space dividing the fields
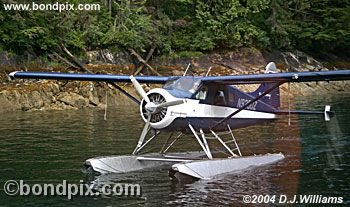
x=156 y=116
x=160 y=118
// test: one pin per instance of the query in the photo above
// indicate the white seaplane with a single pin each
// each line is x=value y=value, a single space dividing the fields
x=204 y=106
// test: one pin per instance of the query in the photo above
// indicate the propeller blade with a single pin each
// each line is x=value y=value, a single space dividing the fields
x=143 y=134
x=170 y=103
x=139 y=89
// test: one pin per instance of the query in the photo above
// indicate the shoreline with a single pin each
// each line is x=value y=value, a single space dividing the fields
x=60 y=95
x=28 y=95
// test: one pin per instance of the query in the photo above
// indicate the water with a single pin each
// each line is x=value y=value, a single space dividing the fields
x=48 y=147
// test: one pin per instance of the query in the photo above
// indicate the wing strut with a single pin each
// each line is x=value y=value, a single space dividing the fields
x=249 y=103
x=124 y=92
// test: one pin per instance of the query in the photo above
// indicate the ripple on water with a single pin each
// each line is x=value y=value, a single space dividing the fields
x=47 y=147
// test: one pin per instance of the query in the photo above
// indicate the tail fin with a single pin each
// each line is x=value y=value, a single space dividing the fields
x=273 y=98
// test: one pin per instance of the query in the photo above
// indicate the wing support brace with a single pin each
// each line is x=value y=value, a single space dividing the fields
x=124 y=92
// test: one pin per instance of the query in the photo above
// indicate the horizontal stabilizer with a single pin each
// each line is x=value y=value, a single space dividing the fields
x=327 y=113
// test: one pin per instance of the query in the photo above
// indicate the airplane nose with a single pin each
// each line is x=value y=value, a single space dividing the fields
x=151 y=107
x=151 y=110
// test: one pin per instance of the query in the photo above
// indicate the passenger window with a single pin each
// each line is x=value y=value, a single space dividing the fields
x=220 y=99
x=202 y=93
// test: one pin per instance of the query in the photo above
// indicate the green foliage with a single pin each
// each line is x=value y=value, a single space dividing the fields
x=186 y=54
x=231 y=23
x=180 y=25
x=131 y=27
x=318 y=25
x=214 y=24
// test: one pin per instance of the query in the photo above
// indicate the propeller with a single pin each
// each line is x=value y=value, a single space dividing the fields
x=153 y=108
x=150 y=106
x=139 y=89
x=170 y=103
x=143 y=135
x=155 y=104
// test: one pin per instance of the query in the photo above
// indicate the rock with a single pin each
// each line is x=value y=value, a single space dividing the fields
x=239 y=61
x=62 y=95
x=36 y=100
x=93 y=99
x=73 y=99
x=177 y=73
x=300 y=61
x=106 y=56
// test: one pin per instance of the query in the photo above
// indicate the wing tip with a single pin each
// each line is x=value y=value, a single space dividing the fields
x=12 y=75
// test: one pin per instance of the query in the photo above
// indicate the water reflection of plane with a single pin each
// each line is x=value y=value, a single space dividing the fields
x=334 y=155
x=334 y=150
x=205 y=107
x=227 y=190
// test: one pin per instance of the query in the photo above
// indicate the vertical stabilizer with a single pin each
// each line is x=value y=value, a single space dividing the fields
x=273 y=98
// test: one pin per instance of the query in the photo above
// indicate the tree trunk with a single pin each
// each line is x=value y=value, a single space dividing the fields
x=75 y=60
x=149 y=55
x=141 y=60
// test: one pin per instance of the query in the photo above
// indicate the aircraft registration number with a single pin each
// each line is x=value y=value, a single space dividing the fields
x=241 y=102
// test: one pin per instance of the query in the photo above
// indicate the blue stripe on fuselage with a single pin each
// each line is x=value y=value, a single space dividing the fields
x=236 y=98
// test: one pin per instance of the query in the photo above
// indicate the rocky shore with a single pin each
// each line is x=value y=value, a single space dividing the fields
x=61 y=95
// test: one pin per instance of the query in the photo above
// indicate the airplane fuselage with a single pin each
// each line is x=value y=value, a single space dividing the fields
x=202 y=115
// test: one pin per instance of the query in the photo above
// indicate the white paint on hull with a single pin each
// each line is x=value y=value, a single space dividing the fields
x=208 y=169
x=129 y=163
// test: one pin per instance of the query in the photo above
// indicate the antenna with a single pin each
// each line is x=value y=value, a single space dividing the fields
x=289 y=104
x=105 y=115
x=208 y=71
x=289 y=112
x=188 y=66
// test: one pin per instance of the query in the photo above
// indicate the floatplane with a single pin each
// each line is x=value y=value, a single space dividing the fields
x=205 y=107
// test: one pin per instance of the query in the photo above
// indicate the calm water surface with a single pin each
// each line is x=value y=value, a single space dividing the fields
x=48 y=147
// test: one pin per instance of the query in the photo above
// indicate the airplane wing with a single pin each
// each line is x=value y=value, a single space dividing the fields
x=88 y=77
x=334 y=75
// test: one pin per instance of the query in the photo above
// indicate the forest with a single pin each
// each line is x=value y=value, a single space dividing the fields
x=180 y=26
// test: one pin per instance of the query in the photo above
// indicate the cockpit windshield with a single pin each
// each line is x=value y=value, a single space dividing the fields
x=187 y=84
